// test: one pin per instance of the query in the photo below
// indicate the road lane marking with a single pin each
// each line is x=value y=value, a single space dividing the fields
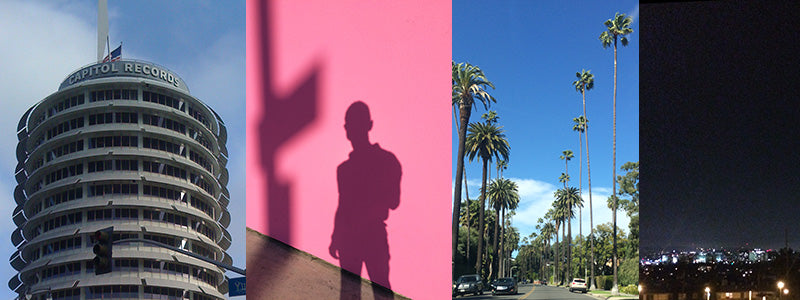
x=528 y=294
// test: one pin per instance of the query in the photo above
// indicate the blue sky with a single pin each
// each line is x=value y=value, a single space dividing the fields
x=202 y=41
x=531 y=51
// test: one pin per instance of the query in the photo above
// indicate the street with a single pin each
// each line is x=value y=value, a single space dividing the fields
x=539 y=292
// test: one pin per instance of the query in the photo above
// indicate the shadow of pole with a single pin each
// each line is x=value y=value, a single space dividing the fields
x=282 y=118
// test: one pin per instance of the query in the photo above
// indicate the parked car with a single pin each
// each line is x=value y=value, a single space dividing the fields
x=468 y=284
x=505 y=285
x=577 y=284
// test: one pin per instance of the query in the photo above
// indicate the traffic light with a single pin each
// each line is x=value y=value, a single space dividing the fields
x=102 y=250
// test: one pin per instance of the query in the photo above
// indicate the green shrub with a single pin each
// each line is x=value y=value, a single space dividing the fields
x=630 y=289
x=600 y=281
x=608 y=282
x=629 y=271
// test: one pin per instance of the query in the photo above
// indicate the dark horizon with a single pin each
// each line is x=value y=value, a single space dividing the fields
x=719 y=96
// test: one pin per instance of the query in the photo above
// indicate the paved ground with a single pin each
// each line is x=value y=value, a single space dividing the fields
x=278 y=271
x=530 y=291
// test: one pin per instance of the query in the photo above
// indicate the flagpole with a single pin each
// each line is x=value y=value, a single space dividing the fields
x=102 y=28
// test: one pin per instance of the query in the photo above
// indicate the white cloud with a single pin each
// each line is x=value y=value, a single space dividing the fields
x=536 y=197
x=36 y=56
x=634 y=14
x=41 y=45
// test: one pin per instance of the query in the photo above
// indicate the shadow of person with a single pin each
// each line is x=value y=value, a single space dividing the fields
x=369 y=186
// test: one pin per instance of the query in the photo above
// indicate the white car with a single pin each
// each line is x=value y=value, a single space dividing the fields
x=578 y=284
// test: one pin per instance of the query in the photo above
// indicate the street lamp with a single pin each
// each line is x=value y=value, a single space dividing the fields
x=780 y=288
x=640 y=289
x=708 y=293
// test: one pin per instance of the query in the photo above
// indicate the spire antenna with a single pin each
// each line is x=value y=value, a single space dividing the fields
x=102 y=28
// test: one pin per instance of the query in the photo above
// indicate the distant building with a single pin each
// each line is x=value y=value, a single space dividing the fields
x=121 y=144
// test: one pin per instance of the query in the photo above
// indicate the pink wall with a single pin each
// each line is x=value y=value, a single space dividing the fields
x=308 y=61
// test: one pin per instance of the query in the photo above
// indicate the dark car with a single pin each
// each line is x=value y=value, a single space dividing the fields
x=468 y=284
x=505 y=285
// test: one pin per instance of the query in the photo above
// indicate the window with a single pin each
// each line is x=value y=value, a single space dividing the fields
x=162 y=99
x=199 y=116
x=61 y=245
x=157 y=144
x=65 y=127
x=64 y=150
x=200 y=160
x=163 y=122
x=124 y=94
x=98 y=214
x=62 y=173
x=96 y=190
x=163 y=293
x=113 y=141
x=163 y=192
x=126 y=213
x=70 y=101
x=61 y=270
x=162 y=168
x=113 y=292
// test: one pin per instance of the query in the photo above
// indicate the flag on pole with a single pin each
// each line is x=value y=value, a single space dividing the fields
x=114 y=55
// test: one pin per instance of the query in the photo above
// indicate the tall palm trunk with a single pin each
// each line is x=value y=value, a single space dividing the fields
x=496 y=260
x=589 y=177
x=503 y=241
x=479 y=263
x=614 y=171
x=469 y=226
x=465 y=111
x=564 y=240
x=569 y=248
x=580 y=193
x=557 y=257
x=466 y=193
x=568 y=239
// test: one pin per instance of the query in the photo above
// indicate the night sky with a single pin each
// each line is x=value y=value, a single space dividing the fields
x=719 y=115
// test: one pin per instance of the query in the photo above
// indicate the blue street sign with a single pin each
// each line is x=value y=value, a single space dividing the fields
x=237 y=286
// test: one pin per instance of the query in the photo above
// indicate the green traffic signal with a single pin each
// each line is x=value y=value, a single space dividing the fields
x=102 y=250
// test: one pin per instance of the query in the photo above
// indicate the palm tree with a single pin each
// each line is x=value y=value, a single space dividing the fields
x=584 y=83
x=564 y=178
x=490 y=117
x=496 y=203
x=469 y=84
x=566 y=155
x=617 y=28
x=548 y=230
x=486 y=141
x=557 y=215
x=553 y=215
x=466 y=188
x=502 y=165
x=570 y=199
x=580 y=124
x=504 y=194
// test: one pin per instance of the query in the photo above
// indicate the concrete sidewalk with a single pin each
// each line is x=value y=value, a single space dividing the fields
x=278 y=271
x=605 y=296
